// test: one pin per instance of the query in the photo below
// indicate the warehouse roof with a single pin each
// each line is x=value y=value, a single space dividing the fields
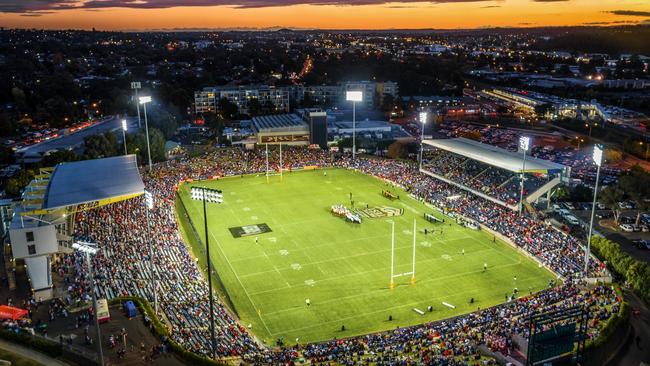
x=280 y=123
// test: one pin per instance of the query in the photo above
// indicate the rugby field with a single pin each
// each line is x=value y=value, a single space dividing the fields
x=341 y=267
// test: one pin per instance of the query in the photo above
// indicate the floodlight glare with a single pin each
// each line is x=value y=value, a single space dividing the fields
x=598 y=155
x=524 y=143
x=423 y=117
x=145 y=99
x=354 y=96
x=124 y=127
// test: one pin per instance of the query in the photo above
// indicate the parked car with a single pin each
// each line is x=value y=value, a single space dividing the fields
x=627 y=228
x=642 y=244
x=572 y=220
x=604 y=214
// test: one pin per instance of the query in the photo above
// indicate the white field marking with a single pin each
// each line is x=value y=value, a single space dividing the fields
x=302 y=249
x=310 y=283
x=246 y=209
x=350 y=274
x=240 y=283
x=407 y=232
x=253 y=217
x=446 y=257
x=239 y=200
x=338 y=259
x=273 y=239
x=408 y=207
x=233 y=193
x=425 y=244
x=296 y=266
x=338 y=188
x=328 y=181
x=367 y=313
x=283 y=252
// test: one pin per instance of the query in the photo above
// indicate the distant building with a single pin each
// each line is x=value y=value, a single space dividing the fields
x=270 y=98
x=276 y=99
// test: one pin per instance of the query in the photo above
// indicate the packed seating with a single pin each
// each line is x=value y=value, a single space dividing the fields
x=124 y=267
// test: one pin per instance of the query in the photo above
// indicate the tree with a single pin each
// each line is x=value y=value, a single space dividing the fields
x=137 y=144
x=636 y=185
x=611 y=196
x=613 y=155
x=397 y=150
x=60 y=156
x=100 y=146
x=18 y=182
x=581 y=193
x=562 y=194
x=227 y=109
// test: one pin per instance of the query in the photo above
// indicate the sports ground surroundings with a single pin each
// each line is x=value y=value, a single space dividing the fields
x=343 y=268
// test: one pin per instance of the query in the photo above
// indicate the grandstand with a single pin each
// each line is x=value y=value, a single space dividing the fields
x=491 y=172
x=44 y=220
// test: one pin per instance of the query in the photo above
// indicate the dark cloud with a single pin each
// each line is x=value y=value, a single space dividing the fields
x=632 y=13
x=35 y=6
x=490 y=7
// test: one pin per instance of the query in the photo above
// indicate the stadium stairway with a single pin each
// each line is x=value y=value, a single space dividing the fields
x=532 y=210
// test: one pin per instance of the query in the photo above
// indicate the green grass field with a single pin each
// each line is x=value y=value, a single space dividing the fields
x=344 y=268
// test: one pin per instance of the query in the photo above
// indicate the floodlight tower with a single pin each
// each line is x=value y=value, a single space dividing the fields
x=148 y=200
x=598 y=160
x=144 y=100
x=216 y=192
x=124 y=128
x=91 y=249
x=524 y=144
x=135 y=85
x=423 y=119
x=354 y=96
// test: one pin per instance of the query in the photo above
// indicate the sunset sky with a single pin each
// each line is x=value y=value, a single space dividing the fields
x=326 y=14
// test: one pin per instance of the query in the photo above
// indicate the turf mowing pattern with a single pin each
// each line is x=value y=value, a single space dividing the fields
x=344 y=268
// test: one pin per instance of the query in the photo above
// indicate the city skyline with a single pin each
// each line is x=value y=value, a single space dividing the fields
x=321 y=14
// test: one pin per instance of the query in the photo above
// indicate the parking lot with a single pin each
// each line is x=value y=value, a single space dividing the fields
x=632 y=238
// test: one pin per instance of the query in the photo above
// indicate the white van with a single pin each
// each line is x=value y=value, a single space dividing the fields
x=572 y=220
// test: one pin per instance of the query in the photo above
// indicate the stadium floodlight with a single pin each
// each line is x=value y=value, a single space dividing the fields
x=524 y=144
x=205 y=193
x=135 y=85
x=124 y=128
x=91 y=249
x=598 y=160
x=144 y=100
x=354 y=96
x=423 y=119
x=148 y=202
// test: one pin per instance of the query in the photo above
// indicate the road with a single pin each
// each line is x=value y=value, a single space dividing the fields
x=35 y=153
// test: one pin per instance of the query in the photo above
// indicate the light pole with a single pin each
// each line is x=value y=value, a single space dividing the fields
x=135 y=85
x=423 y=120
x=148 y=200
x=144 y=100
x=216 y=193
x=124 y=128
x=354 y=97
x=91 y=249
x=598 y=160
x=524 y=143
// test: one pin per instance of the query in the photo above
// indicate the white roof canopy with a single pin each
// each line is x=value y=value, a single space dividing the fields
x=495 y=156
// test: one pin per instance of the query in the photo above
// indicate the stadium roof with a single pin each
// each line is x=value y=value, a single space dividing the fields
x=280 y=123
x=95 y=180
x=494 y=155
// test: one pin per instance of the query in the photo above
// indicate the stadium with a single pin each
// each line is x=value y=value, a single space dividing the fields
x=318 y=257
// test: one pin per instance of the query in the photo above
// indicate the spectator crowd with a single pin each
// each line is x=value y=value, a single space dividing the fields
x=134 y=249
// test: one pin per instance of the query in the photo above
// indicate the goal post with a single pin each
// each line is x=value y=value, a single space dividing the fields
x=393 y=276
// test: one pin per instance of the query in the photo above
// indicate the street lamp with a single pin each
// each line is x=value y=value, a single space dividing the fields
x=202 y=193
x=354 y=97
x=91 y=249
x=135 y=85
x=124 y=128
x=148 y=201
x=144 y=100
x=598 y=160
x=423 y=119
x=524 y=144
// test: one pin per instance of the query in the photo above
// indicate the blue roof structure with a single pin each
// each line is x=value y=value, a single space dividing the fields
x=279 y=123
x=87 y=181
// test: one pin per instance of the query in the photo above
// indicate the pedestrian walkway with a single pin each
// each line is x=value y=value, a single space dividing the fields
x=30 y=354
